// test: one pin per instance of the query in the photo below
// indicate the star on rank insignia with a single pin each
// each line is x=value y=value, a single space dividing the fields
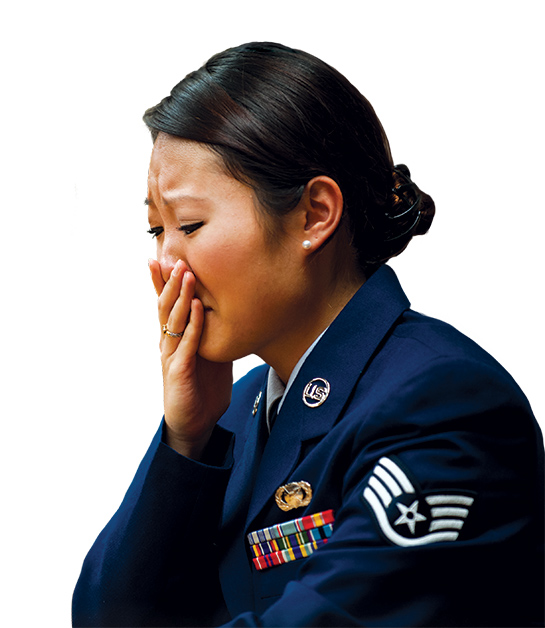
x=409 y=516
x=405 y=516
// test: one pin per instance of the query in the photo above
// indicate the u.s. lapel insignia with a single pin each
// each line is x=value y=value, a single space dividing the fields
x=316 y=392
x=405 y=516
x=293 y=495
x=256 y=403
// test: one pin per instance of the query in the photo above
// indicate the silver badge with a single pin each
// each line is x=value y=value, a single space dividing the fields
x=316 y=392
x=256 y=403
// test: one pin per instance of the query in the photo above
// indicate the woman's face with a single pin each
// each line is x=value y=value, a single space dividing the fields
x=252 y=291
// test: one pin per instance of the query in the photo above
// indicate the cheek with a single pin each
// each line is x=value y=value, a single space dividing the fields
x=225 y=256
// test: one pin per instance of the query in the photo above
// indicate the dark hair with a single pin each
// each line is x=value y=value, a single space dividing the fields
x=279 y=117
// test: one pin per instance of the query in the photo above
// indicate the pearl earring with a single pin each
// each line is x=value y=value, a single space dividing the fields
x=307 y=244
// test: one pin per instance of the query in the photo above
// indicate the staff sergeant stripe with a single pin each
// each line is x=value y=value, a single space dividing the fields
x=458 y=500
x=445 y=511
x=398 y=474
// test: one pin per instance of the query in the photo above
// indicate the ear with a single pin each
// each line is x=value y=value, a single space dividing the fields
x=322 y=210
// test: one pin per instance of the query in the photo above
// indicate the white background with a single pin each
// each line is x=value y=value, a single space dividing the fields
x=458 y=87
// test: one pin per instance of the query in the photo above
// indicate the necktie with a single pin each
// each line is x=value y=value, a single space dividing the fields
x=272 y=413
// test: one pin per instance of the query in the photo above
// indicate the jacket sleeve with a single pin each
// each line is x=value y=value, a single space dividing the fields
x=150 y=564
x=441 y=520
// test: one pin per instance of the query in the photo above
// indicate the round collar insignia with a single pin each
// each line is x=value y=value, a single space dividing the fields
x=316 y=392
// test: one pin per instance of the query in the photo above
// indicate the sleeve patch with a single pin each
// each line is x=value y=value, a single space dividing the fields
x=406 y=517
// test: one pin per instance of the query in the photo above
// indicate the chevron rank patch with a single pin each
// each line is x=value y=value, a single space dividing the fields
x=405 y=516
x=291 y=540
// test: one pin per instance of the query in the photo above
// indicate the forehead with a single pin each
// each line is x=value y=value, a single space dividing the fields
x=178 y=164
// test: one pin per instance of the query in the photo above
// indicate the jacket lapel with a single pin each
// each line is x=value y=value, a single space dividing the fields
x=246 y=463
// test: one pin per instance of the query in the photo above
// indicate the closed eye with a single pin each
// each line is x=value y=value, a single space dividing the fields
x=189 y=229
x=155 y=231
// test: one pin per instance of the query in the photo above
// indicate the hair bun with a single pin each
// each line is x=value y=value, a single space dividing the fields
x=407 y=212
x=411 y=211
x=404 y=170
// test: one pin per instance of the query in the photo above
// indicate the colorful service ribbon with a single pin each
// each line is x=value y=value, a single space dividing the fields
x=291 y=540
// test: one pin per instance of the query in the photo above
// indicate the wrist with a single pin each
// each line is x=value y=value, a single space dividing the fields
x=189 y=447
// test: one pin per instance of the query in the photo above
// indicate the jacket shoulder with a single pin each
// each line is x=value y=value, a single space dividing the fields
x=427 y=371
x=427 y=343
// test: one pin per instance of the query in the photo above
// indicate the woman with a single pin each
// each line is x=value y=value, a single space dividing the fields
x=382 y=469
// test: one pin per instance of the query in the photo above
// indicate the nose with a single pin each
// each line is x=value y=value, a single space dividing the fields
x=167 y=264
x=167 y=257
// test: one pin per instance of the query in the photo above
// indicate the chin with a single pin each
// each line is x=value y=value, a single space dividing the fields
x=214 y=351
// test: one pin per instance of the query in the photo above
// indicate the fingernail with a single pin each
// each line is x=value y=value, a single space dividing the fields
x=177 y=268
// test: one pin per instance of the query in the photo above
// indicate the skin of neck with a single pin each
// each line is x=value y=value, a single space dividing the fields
x=332 y=277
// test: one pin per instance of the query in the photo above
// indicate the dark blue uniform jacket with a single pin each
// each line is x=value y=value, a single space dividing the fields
x=425 y=450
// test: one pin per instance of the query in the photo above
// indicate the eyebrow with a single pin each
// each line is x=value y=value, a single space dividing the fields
x=176 y=198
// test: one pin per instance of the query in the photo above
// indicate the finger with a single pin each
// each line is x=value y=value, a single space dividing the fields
x=156 y=276
x=179 y=315
x=193 y=331
x=171 y=292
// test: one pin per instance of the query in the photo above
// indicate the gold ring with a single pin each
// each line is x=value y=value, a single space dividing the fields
x=171 y=333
